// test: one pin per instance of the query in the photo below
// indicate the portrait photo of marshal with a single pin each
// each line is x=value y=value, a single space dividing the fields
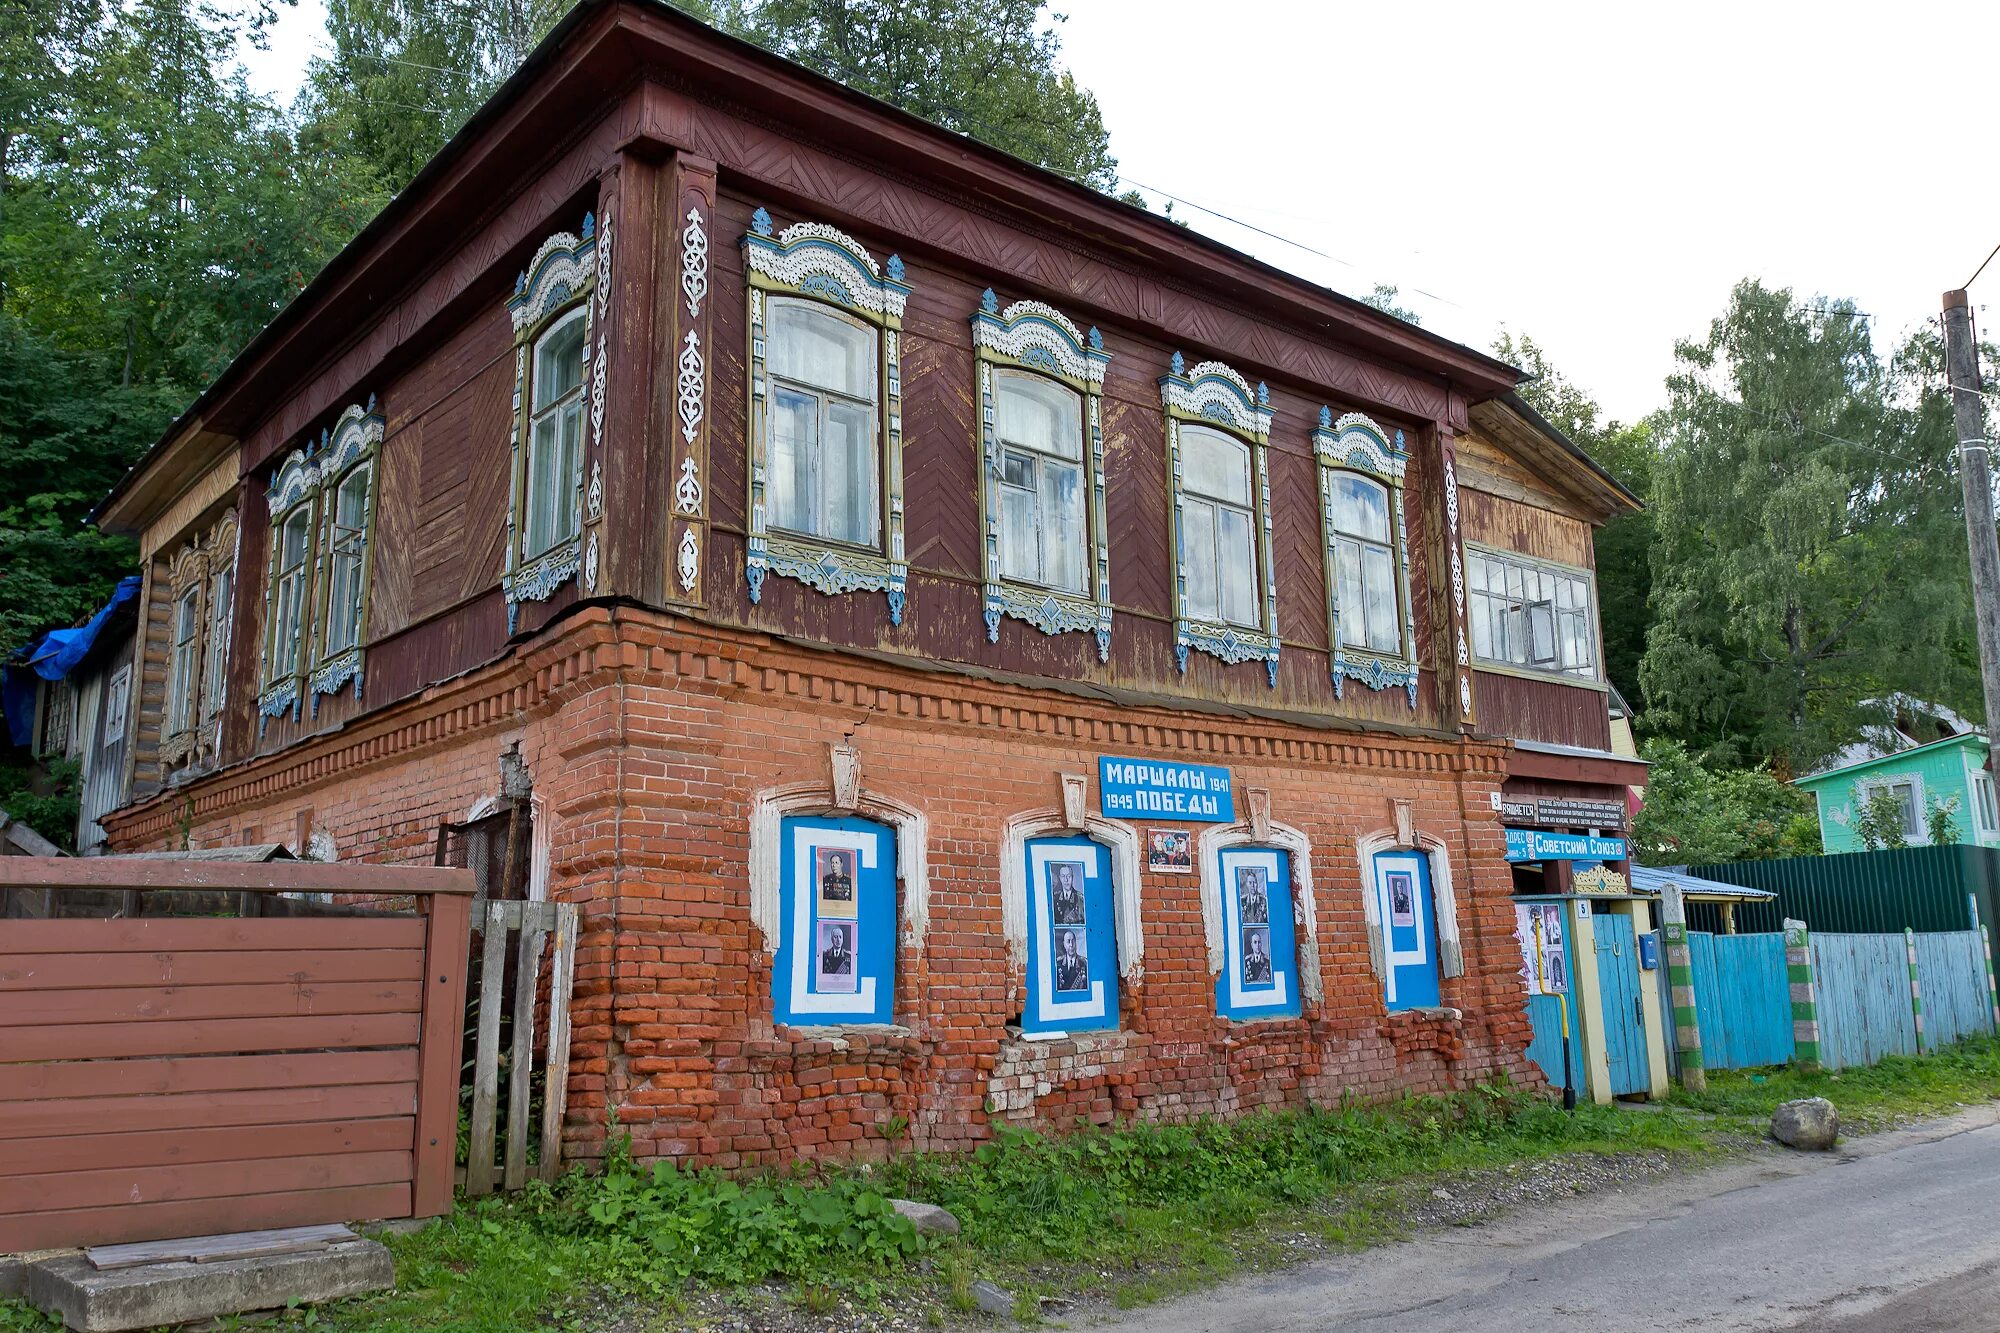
x=1066 y=893
x=1257 y=956
x=1402 y=900
x=833 y=873
x=834 y=966
x=1072 y=967
x=1253 y=896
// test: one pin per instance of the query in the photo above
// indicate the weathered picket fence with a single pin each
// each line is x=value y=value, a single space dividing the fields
x=535 y=928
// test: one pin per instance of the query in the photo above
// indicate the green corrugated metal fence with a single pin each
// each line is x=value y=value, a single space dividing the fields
x=1862 y=893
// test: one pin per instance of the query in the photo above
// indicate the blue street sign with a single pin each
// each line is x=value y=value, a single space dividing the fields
x=1534 y=845
x=1195 y=792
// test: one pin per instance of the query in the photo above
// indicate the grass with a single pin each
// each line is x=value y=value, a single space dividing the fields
x=1144 y=1212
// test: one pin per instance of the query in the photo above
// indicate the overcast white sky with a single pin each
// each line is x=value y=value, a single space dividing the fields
x=1596 y=175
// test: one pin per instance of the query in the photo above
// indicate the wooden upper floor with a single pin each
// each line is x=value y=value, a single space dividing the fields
x=676 y=322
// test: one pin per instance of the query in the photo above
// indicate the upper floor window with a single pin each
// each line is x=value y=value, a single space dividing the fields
x=826 y=419
x=1039 y=424
x=346 y=559
x=553 y=503
x=199 y=581
x=184 y=664
x=215 y=653
x=1218 y=527
x=557 y=310
x=1361 y=470
x=1225 y=588
x=290 y=569
x=821 y=475
x=1530 y=614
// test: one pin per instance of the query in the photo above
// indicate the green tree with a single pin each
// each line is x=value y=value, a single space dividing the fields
x=1810 y=554
x=1383 y=298
x=1624 y=545
x=1697 y=815
x=1878 y=819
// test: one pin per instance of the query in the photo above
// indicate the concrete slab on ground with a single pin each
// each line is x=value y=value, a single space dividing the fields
x=147 y=1296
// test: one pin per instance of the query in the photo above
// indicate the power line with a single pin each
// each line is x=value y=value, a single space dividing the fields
x=1982 y=266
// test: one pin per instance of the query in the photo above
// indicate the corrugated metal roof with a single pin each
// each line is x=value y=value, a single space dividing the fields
x=1652 y=882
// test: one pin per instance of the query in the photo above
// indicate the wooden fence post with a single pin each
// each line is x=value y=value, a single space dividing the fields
x=1680 y=980
x=1992 y=991
x=1916 y=988
x=1805 y=1000
x=447 y=921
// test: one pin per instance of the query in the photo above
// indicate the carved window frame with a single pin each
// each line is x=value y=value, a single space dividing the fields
x=562 y=277
x=1356 y=444
x=187 y=577
x=1212 y=394
x=354 y=443
x=1034 y=338
x=814 y=261
x=293 y=490
x=220 y=612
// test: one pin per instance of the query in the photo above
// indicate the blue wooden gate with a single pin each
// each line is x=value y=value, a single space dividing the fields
x=1862 y=985
x=1951 y=973
x=1742 y=1000
x=1545 y=1021
x=1624 y=1019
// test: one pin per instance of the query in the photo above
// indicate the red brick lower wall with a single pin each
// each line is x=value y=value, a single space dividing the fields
x=648 y=739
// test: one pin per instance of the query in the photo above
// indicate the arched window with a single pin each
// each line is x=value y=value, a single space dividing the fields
x=1218 y=528
x=1367 y=557
x=836 y=956
x=1038 y=425
x=552 y=506
x=346 y=558
x=291 y=570
x=1364 y=561
x=821 y=475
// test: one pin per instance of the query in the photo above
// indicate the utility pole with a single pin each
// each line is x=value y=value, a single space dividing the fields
x=1961 y=356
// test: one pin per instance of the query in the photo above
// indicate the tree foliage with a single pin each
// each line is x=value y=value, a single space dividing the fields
x=1695 y=814
x=1810 y=554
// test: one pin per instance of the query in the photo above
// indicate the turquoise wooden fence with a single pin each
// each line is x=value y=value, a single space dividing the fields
x=1862 y=983
x=1742 y=1000
x=1545 y=1019
x=1951 y=974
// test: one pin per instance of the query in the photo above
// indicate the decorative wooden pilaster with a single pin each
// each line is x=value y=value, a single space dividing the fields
x=1805 y=1001
x=619 y=523
x=1451 y=639
x=1680 y=982
x=689 y=227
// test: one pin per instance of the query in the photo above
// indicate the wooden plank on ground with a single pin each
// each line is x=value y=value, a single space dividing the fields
x=113 y=1187
x=85 y=1152
x=257 y=1106
x=232 y=1245
x=82 y=971
x=486 y=1057
x=527 y=975
x=206 y=1073
x=439 y=1070
x=105 y=1041
x=182 y=1217
x=130 y=1004
x=555 y=1091
x=213 y=934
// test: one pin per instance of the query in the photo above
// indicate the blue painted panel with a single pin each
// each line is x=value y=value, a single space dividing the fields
x=1072 y=937
x=1194 y=792
x=1256 y=904
x=1406 y=916
x=1951 y=971
x=1545 y=1018
x=1618 y=988
x=1862 y=985
x=1743 y=1000
x=837 y=882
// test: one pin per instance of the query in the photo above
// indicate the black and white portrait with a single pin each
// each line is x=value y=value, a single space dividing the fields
x=1257 y=956
x=1402 y=899
x=1072 y=967
x=833 y=871
x=834 y=966
x=1253 y=896
x=1066 y=893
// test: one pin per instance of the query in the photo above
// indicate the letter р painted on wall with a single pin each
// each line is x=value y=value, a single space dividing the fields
x=1197 y=793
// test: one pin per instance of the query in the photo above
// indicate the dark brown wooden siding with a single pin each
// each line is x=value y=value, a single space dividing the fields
x=1542 y=710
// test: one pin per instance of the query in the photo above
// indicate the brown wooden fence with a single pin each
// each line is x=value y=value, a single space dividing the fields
x=175 y=1076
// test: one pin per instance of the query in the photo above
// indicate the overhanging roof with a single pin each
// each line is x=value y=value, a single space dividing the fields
x=1509 y=420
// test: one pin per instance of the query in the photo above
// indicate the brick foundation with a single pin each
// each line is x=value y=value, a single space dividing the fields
x=648 y=738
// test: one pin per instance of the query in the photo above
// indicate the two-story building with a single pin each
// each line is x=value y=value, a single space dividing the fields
x=976 y=651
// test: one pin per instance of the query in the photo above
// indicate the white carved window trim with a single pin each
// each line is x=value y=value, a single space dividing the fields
x=1451 y=953
x=187 y=586
x=221 y=593
x=1035 y=338
x=281 y=686
x=818 y=262
x=561 y=278
x=1357 y=444
x=1121 y=840
x=354 y=443
x=1215 y=396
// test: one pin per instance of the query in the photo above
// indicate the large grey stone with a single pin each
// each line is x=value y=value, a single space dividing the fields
x=927 y=1218
x=993 y=1299
x=1810 y=1124
x=146 y=1296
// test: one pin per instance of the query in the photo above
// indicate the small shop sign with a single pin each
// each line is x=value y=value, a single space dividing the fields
x=1536 y=845
x=1573 y=810
x=1200 y=793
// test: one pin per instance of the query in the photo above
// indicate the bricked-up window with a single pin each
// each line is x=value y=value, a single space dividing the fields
x=1260 y=966
x=1072 y=980
x=836 y=956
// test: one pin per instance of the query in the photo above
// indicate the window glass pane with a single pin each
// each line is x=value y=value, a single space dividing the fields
x=1214 y=465
x=1035 y=412
x=1020 y=548
x=1380 y=579
x=816 y=346
x=1017 y=469
x=1542 y=633
x=559 y=361
x=1482 y=626
x=794 y=439
x=1360 y=507
x=1236 y=567
x=1353 y=602
x=849 y=472
x=565 y=503
x=1062 y=526
x=297 y=530
x=220 y=591
x=1198 y=542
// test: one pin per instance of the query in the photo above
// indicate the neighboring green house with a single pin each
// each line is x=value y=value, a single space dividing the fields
x=1920 y=773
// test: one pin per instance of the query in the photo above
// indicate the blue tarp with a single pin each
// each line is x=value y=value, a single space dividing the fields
x=52 y=657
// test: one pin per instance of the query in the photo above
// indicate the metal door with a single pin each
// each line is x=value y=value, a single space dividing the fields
x=1624 y=1018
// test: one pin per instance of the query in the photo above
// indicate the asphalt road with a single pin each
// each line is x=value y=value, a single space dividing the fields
x=1894 y=1232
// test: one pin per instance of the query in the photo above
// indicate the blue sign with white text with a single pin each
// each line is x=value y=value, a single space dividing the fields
x=1534 y=845
x=1195 y=792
